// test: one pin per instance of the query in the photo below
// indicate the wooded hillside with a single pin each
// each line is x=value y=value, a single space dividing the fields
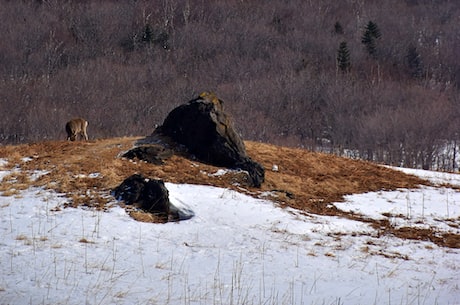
x=376 y=78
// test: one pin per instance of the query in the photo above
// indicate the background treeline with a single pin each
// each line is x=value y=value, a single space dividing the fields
x=372 y=79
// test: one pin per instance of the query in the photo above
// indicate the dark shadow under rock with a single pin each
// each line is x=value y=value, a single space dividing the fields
x=155 y=154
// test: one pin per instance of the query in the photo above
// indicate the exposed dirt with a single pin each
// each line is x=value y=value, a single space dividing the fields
x=88 y=171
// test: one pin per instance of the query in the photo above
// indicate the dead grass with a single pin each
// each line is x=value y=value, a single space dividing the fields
x=317 y=179
x=308 y=181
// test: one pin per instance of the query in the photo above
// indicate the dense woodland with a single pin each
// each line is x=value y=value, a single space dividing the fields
x=373 y=79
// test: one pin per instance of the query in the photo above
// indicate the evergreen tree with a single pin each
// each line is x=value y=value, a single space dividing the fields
x=147 y=34
x=369 y=43
x=343 y=57
x=373 y=29
x=338 y=28
x=414 y=62
x=371 y=34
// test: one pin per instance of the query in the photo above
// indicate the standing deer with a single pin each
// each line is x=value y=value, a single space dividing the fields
x=76 y=127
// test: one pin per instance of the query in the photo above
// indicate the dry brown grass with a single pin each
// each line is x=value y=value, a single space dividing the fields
x=316 y=179
x=308 y=181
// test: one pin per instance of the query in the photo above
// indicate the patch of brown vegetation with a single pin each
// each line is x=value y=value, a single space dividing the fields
x=442 y=239
x=308 y=181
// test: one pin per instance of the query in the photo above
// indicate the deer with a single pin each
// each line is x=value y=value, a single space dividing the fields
x=76 y=127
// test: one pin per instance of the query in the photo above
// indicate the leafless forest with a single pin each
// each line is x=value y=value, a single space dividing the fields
x=373 y=79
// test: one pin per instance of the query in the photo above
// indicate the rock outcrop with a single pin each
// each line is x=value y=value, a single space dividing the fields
x=200 y=128
x=150 y=195
x=154 y=153
x=206 y=131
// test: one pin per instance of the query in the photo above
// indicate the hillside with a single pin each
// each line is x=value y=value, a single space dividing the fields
x=65 y=240
x=293 y=73
x=307 y=181
x=304 y=180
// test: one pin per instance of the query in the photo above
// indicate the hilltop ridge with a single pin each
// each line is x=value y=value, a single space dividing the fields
x=86 y=172
x=304 y=180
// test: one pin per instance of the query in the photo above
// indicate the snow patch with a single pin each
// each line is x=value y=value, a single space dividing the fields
x=236 y=250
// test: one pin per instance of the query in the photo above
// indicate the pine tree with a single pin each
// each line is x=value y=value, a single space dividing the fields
x=147 y=34
x=343 y=57
x=371 y=34
x=414 y=62
x=338 y=29
x=373 y=29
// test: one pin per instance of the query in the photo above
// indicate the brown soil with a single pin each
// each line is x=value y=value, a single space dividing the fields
x=308 y=181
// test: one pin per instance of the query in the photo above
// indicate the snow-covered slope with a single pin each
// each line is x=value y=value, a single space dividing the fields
x=236 y=250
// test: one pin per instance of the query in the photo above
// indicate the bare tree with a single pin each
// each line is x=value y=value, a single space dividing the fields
x=124 y=66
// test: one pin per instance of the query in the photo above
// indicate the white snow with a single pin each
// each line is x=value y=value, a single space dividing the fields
x=236 y=250
x=434 y=177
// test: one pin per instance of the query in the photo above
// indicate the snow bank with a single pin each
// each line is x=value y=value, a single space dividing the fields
x=236 y=250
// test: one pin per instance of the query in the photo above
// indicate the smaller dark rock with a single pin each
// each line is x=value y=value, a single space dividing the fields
x=152 y=196
x=149 y=195
x=155 y=154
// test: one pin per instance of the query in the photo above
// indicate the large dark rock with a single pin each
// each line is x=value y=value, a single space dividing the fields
x=151 y=196
x=206 y=131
